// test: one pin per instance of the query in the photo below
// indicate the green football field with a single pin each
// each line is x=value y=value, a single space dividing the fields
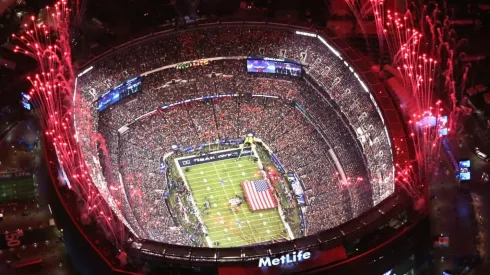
x=17 y=190
x=231 y=228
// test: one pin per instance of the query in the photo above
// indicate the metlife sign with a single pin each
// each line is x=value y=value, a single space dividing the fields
x=289 y=258
x=213 y=156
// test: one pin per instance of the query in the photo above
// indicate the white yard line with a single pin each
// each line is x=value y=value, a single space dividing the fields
x=194 y=205
x=226 y=215
x=269 y=224
x=279 y=207
x=233 y=176
x=204 y=176
x=204 y=170
x=216 y=196
x=213 y=182
x=228 y=198
x=252 y=229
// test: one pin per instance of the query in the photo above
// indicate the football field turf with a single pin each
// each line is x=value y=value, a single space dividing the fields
x=231 y=228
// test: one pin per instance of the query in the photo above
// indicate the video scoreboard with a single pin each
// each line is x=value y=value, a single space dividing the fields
x=120 y=92
x=26 y=101
x=464 y=170
x=273 y=66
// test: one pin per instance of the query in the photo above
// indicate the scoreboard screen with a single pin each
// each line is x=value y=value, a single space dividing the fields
x=122 y=91
x=26 y=101
x=442 y=126
x=273 y=66
x=464 y=170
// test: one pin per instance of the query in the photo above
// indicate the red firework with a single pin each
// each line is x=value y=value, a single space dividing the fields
x=52 y=90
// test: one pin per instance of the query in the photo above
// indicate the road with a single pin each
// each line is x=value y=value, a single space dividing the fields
x=461 y=210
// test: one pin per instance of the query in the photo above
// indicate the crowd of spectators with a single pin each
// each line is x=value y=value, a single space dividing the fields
x=331 y=95
x=354 y=103
x=275 y=121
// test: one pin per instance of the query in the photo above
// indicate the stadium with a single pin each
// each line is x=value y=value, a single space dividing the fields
x=236 y=144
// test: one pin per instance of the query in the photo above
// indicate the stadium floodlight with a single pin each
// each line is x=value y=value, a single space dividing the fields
x=306 y=34
x=75 y=113
x=85 y=71
x=274 y=59
x=330 y=47
x=146 y=115
x=269 y=96
x=362 y=83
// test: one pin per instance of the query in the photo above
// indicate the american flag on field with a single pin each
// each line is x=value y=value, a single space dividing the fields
x=259 y=195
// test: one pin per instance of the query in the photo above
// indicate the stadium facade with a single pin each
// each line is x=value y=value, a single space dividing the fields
x=386 y=214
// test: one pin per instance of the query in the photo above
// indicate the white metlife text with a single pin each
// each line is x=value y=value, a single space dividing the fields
x=285 y=259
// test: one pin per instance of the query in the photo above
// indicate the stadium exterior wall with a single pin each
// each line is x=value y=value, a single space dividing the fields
x=319 y=244
x=86 y=255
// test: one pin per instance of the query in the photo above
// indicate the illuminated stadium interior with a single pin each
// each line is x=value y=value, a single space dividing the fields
x=182 y=135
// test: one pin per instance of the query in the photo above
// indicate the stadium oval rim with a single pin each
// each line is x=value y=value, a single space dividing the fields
x=369 y=221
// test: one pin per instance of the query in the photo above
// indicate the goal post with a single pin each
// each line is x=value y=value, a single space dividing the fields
x=247 y=143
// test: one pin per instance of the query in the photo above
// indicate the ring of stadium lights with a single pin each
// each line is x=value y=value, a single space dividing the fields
x=315 y=238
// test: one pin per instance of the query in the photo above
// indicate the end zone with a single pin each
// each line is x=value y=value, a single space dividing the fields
x=188 y=161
